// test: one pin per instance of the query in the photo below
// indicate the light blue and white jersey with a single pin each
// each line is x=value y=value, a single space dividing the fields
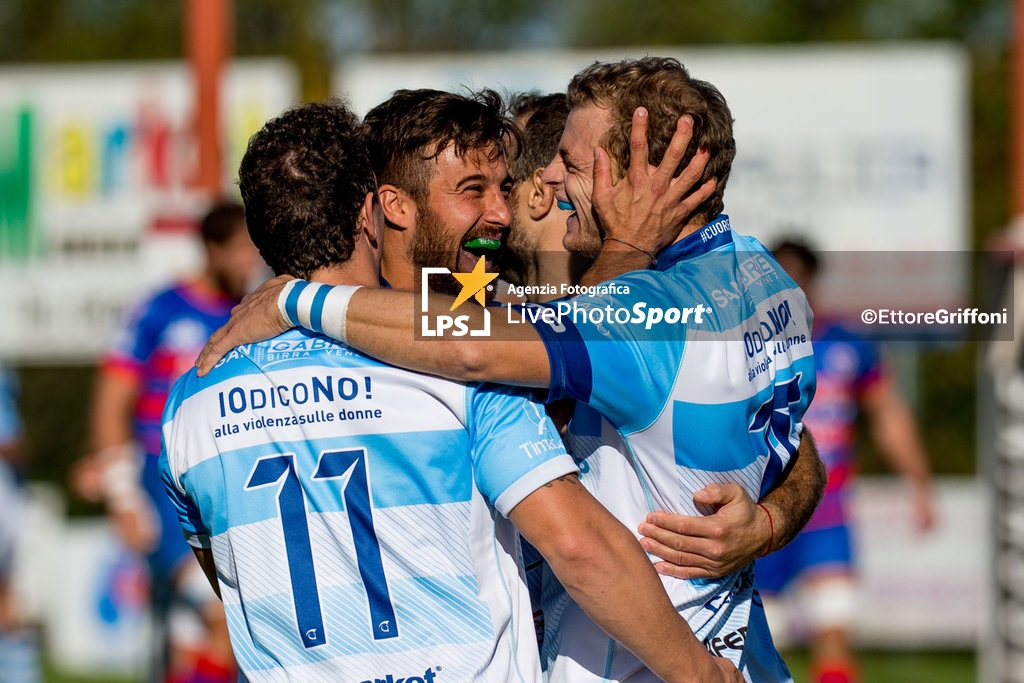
x=357 y=513
x=695 y=373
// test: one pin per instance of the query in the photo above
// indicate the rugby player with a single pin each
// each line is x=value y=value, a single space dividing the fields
x=534 y=262
x=151 y=348
x=346 y=510
x=694 y=411
x=816 y=571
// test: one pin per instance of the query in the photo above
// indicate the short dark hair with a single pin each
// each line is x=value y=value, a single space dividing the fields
x=665 y=88
x=304 y=178
x=802 y=250
x=222 y=222
x=542 y=120
x=414 y=126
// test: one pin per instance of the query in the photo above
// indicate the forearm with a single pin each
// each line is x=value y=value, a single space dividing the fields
x=617 y=587
x=110 y=420
x=895 y=433
x=384 y=324
x=792 y=502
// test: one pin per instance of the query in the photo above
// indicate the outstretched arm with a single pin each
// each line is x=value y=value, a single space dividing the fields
x=384 y=323
x=603 y=568
x=739 y=531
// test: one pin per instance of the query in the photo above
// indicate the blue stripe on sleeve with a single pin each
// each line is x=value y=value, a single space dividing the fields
x=571 y=376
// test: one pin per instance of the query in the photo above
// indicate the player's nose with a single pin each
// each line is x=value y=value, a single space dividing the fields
x=498 y=211
x=554 y=174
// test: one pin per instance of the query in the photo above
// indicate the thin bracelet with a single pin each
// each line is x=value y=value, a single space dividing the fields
x=654 y=261
x=771 y=528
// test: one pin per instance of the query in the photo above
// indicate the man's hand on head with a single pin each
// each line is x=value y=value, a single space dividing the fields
x=256 y=318
x=650 y=205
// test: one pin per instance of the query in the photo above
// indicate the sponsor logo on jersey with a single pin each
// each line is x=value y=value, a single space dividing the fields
x=748 y=272
x=428 y=676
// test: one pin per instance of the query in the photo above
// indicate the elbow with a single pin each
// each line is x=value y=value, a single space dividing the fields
x=579 y=563
x=467 y=361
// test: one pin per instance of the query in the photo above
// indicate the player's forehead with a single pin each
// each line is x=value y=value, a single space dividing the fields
x=483 y=165
x=585 y=127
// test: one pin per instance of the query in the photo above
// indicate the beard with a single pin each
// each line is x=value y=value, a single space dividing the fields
x=432 y=247
x=518 y=263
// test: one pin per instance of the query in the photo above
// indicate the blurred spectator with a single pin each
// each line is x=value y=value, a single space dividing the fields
x=155 y=344
x=816 y=569
x=19 y=641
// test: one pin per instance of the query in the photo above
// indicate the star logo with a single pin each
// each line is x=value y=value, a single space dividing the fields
x=473 y=284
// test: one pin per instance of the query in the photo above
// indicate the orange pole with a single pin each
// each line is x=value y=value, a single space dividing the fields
x=1017 y=121
x=209 y=30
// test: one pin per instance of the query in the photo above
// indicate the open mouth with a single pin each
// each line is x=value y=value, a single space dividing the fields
x=488 y=246
x=572 y=221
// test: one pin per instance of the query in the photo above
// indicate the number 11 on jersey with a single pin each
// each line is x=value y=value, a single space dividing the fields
x=292 y=506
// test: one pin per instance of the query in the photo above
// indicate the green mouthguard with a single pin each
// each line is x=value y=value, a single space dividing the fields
x=482 y=243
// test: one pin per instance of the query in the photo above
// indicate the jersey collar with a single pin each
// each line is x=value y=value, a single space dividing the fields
x=712 y=235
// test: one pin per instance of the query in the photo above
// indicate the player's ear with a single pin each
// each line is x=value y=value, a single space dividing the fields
x=541 y=197
x=399 y=208
x=367 y=221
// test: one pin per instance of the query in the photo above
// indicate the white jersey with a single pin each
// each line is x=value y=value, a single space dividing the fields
x=702 y=371
x=357 y=513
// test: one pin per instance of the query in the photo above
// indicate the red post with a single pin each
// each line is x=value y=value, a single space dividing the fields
x=209 y=30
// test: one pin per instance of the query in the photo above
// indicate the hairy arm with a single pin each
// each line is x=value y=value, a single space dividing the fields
x=739 y=531
x=384 y=323
x=605 y=571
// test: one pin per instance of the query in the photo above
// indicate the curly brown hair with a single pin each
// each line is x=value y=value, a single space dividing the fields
x=303 y=179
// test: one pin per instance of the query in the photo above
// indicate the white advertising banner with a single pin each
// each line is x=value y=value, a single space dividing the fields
x=97 y=199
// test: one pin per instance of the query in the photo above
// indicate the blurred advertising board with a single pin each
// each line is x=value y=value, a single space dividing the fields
x=97 y=199
x=861 y=149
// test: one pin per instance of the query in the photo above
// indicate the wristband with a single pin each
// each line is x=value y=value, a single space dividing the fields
x=122 y=476
x=654 y=261
x=316 y=306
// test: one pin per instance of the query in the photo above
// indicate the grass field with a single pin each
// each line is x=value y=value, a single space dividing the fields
x=877 y=667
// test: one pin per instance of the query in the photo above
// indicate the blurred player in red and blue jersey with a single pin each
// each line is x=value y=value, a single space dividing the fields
x=154 y=345
x=817 y=566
